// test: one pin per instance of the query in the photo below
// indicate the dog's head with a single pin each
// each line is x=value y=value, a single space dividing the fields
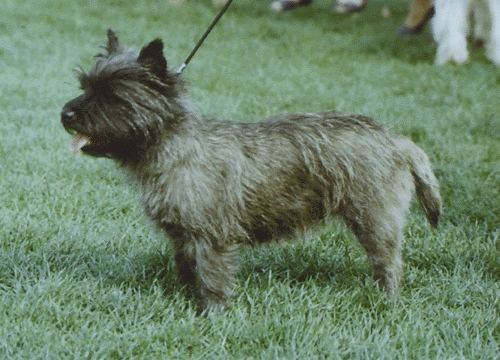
x=128 y=101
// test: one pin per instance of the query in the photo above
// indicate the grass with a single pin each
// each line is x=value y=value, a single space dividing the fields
x=84 y=275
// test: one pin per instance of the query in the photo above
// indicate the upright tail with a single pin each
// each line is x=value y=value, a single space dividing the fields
x=426 y=184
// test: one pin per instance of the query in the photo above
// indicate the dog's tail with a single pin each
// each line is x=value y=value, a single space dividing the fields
x=426 y=184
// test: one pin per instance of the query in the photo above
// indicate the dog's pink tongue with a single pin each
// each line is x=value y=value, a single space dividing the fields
x=77 y=142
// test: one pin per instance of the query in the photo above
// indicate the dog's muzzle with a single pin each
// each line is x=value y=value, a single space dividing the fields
x=79 y=140
x=68 y=114
x=67 y=118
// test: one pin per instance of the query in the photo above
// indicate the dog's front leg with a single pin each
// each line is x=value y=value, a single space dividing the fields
x=216 y=266
x=493 y=44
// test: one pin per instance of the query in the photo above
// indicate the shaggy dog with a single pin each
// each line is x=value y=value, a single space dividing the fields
x=451 y=27
x=214 y=185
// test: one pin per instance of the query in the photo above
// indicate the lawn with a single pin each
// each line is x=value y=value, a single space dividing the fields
x=85 y=275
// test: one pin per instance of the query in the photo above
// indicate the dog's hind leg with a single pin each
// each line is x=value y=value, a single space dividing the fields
x=493 y=43
x=381 y=238
x=378 y=226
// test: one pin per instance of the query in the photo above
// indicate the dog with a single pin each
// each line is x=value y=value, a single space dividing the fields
x=451 y=27
x=214 y=185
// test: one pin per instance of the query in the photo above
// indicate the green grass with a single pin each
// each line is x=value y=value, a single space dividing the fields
x=84 y=274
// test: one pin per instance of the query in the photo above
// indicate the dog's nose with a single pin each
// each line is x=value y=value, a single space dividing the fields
x=67 y=116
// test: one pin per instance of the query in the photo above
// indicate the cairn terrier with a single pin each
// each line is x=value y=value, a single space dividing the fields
x=214 y=185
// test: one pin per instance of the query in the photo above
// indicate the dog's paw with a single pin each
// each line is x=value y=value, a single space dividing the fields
x=493 y=53
x=455 y=52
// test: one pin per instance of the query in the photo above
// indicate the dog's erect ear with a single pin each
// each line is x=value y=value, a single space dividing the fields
x=151 y=55
x=114 y=46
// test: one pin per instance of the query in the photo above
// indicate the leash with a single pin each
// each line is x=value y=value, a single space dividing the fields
x=219 y=15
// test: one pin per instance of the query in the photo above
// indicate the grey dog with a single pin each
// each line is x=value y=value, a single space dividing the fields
x=213 y=185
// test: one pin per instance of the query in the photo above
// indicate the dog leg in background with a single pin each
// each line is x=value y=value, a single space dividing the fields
x=492 y=45
x=349 y=6
x=285 y=5
x=450 y=29
x=482 y=23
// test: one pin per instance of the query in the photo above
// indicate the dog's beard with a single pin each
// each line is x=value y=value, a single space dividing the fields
x=77 y=142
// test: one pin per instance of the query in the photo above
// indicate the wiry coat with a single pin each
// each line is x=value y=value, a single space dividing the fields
x=213 y=185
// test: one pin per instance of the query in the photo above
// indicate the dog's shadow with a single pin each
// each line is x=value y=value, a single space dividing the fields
x=330 y=259
x=326 y=259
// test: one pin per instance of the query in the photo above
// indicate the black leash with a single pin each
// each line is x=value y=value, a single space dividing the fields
x=221 y=12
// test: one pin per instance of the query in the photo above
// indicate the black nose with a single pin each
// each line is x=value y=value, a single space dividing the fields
x=67 y=116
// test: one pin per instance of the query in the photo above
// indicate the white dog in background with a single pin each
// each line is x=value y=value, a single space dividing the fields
x=451 y=27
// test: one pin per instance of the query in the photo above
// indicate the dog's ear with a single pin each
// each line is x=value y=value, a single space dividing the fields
x=114 y=46
x=151 y=56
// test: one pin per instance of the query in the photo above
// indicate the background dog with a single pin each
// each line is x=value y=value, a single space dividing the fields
x=451 y=28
